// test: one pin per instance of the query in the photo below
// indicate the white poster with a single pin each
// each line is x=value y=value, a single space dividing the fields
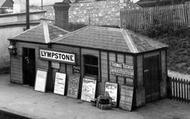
x=88 y=89
x=40 y=83
x=112 y=88
x=59 y=87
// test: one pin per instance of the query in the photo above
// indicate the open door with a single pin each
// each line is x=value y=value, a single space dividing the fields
x=29 y=66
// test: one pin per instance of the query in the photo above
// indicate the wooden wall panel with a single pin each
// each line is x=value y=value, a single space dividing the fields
x=16 y=61
x=104 y=74
x=129 y=60
x=112 y=58
x=120 y=59
x=16 y=69
x=163 y=83
x=140 y=90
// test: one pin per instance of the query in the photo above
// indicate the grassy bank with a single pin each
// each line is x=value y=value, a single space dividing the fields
x=179 y=49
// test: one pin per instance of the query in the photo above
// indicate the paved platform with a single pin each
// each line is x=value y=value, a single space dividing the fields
x=23 y=100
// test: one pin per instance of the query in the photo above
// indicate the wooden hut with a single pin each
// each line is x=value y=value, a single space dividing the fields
x=87 y=62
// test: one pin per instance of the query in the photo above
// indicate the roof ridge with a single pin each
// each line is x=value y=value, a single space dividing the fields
x=69 y=34
x=58 y=28
x=26 y=31
x=107 y=28
x=46 y=32
x=129 y=41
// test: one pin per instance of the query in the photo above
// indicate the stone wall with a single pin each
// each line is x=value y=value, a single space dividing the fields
x=98 y=13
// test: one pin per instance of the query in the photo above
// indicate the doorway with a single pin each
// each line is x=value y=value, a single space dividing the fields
x=151 y=78
x=29 y=66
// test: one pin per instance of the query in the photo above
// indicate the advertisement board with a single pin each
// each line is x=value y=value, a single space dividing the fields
x=112 y=89
x=73 y=86
x=40 y=83
x=126 y=97
x=88 y=89
x=59 y=87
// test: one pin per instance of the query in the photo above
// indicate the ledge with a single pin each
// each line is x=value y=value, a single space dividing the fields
x=19 y=23
x=22 y=13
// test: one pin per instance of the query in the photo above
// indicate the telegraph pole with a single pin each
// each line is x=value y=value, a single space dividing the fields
x=42 y=4
x=27 y=15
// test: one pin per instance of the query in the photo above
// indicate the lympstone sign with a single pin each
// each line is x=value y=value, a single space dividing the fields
x=57 y=56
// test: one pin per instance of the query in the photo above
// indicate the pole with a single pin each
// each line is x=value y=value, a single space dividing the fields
x=27 y=15
x=42 y=4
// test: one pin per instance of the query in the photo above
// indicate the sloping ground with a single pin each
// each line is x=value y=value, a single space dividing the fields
x=179 y=50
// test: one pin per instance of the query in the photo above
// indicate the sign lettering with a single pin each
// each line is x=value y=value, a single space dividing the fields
x=58 y=56
x=121 y=69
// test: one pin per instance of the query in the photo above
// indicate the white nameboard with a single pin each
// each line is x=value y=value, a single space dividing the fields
x=112 y=89
x=57 y=56
x=88 y=89
x=40 y=83
x=59 y=87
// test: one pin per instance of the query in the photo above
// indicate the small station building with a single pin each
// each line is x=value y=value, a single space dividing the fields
x=92 y=59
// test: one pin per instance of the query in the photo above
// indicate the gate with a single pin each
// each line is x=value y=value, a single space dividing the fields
x=179 y=89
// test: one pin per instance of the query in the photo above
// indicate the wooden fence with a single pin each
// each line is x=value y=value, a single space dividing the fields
x=179 y=89
x=143 y=18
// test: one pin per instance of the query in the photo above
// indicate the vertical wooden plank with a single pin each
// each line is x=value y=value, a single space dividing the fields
x=112 y=58
x=100 y=66
x=188 y=91
x=124 y=59
x=185 y=87
x=120 y=59
x=108 y=65
x=176 y=93
x=81 y=74
x=116 y=60
x=173 y=94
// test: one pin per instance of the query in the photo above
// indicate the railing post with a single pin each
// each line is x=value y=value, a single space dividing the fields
x=169 y=90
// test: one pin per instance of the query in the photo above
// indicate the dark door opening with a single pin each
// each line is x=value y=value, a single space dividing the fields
x=51 y=79
x=151 y=78
x=29 y=66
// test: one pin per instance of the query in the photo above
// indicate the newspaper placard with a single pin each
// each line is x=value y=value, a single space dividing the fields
x=73 y=86
x=112 y=89
x=59 y=87
x=40 y=83
x=88 y=89
x=126 y=97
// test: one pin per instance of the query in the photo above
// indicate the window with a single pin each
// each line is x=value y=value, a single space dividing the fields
x=90 y=65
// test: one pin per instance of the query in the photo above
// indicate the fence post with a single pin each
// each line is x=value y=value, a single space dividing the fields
x=169 y=88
